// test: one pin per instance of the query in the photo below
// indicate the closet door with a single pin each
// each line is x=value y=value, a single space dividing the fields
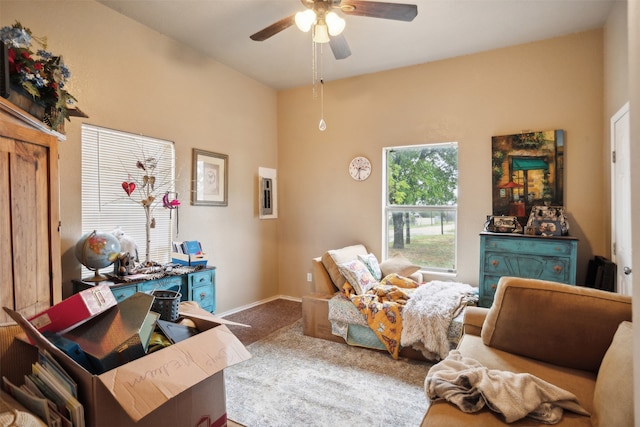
x=621 y=222
x=30 y=272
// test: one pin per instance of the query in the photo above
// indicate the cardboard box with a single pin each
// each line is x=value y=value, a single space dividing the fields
x=315 y=315
x=118 y=336
x=74 y=310
x=178 y=386
x=189 y=259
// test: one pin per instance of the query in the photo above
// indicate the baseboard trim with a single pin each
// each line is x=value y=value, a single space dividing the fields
x=257 y=303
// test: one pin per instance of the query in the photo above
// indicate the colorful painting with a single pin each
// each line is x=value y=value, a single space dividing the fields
x=527 y=170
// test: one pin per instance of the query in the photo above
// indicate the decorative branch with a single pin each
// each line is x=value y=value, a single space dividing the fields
x=146 y=189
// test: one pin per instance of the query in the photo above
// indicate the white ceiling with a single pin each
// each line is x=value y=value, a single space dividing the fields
x=442 y=29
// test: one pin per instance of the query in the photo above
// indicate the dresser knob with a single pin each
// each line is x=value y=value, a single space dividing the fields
x=494 y=286
x=557 y=268
x=495 y=262
x=202 y=295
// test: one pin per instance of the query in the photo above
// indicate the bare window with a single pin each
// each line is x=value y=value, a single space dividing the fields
x=420 y=212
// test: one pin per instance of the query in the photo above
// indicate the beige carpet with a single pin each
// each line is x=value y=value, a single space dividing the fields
x=295 y=380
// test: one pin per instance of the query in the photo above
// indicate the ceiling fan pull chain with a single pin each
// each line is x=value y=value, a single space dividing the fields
x=314 y=69
x=322 y=125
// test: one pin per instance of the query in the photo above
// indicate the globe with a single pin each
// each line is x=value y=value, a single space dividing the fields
x=96 y=250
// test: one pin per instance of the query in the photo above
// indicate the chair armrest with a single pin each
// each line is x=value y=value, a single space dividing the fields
x=474 y=319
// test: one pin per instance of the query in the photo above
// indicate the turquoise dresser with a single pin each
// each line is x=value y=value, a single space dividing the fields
x=199 y=286
x=535 y=257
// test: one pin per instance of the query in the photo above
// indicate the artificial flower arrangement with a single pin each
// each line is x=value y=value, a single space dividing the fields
x=41 y=74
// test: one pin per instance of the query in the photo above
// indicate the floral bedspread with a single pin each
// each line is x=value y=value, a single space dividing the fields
x=382 y=307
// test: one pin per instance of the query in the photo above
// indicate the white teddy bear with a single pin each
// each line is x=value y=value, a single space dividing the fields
x=127 y=244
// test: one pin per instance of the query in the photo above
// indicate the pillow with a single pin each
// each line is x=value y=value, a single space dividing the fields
x=358 y=275
x=332 y=258
x=371 y=262
x=398 y=264
x=612 y=397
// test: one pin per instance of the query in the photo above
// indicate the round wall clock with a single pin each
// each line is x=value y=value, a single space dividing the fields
x=360 y=168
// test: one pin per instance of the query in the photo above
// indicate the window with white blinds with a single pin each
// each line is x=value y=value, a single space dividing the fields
x=110 y=159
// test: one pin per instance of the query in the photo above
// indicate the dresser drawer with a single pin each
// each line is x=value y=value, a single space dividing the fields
x=201 y=278
x=496 y=264
x=533 y=246
x=488 y=286
x=165 y=284
x=204 y=296
x=558 y=270
x=555 y=269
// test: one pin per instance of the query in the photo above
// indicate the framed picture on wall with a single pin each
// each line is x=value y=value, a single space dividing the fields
x=209 y=181
x=527 y=170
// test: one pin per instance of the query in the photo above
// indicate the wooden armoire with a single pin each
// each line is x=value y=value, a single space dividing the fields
x=30 y=264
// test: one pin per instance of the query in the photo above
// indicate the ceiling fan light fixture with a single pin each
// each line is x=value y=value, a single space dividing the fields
x=335 y=23
x=304 y=20
x=320 y=33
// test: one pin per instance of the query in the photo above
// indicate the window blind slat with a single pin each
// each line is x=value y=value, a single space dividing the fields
x=109 y=158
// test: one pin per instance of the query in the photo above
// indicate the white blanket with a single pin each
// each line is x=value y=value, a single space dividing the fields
x=427 y=315
x=470 y=386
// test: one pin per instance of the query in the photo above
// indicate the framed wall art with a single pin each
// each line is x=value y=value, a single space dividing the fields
x=527 y=170
x=209 y=181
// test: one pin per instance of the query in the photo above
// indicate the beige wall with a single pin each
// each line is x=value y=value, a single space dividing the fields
x=553 y=84
x=130 y=78
x=616 y=92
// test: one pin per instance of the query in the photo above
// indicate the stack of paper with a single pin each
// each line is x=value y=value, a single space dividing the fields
x=49 y=393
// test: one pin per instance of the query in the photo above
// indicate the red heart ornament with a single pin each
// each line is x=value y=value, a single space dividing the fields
x=128 y=187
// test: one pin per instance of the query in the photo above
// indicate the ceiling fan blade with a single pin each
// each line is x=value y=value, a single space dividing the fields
x=396 y=11
x=339 y=46
x=273 y=29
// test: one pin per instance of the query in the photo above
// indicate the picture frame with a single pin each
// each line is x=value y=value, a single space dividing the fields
x=209 y=178
x=527 y=170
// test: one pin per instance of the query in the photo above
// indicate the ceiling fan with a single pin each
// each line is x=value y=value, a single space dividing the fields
x=327 y=25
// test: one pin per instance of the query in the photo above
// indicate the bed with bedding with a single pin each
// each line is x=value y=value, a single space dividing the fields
x=385 y=306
